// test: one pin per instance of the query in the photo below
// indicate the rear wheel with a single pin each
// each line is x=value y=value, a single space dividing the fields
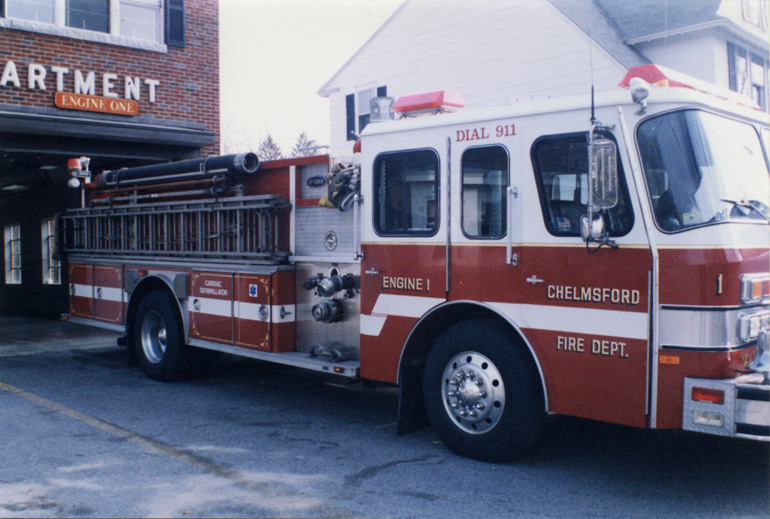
x=159 y=338
x=482 y=391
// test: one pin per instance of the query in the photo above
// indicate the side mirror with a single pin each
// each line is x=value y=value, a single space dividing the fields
x=593 y=229
x=603 y=175
x=602 y=190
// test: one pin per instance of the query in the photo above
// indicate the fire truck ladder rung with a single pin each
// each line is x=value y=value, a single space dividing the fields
x=243 y=227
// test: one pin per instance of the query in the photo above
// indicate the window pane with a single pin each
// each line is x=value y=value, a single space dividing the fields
x=696 y=163
x=37 y=10
x=485 y=178
x=406 y=193
x=364 y=98
x=140 y=19
x=92 y=15
x=12 y=255
x=561 y=168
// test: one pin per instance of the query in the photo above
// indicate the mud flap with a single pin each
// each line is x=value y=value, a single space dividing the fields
x=411 y=403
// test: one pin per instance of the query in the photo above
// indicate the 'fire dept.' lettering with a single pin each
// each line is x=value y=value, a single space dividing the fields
x=601 y=348
x=615 y=296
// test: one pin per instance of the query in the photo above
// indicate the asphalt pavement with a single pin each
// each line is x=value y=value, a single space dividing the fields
x=83 y=435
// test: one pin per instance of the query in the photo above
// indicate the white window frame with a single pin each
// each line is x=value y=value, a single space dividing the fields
x=12 y=235
x=51 y=266
x=114 y=36
x=360 y=110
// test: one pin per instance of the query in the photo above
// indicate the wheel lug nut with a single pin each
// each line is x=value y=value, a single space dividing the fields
x=480 y=406
x=479 y=382
x=455 y=405
x=473 y=413
x=451 y=394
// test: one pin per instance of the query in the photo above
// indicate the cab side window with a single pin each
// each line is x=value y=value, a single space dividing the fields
x=485 y=179
x=406 y=193
x=561 y=170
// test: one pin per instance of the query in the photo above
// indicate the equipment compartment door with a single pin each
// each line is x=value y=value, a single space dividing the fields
x=211 y=306
x=108 y=293
x=81 y=290
x=252 y=311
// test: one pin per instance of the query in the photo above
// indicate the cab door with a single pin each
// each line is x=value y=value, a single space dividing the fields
x=585 y=308
x=404 y=245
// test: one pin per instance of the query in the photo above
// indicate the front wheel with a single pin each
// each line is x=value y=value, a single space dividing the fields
x=482 y=391
x=159 y=338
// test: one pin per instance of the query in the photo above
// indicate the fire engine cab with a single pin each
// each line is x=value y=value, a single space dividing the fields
x=605 y=257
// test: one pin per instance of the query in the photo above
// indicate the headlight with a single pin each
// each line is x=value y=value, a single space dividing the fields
x=752 y=324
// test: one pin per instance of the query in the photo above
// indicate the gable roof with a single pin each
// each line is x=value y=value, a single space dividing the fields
x=591 y=19
x=646 y=17
x=585 y=14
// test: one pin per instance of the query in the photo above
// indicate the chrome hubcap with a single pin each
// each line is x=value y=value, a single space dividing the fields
x=473 y=392
x=154 y=337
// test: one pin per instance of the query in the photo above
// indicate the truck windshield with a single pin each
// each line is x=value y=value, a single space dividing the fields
x=702 y=168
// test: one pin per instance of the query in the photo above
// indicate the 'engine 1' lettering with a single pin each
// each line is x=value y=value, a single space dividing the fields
x=401 y=283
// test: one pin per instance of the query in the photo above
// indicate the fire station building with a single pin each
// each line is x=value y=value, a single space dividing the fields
x=122 y=82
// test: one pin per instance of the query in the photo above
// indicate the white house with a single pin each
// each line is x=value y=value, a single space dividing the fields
x=497 y=52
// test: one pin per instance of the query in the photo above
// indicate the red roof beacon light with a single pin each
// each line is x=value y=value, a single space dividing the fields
x=658 y=76
x=442 y=101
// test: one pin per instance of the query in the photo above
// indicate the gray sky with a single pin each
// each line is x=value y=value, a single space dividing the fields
x=276 y=54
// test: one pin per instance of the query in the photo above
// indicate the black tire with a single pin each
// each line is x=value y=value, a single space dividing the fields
x=159 y=339
x=482 y=391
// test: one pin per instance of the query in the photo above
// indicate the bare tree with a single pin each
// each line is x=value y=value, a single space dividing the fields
x=268 y=149
x=304 y=147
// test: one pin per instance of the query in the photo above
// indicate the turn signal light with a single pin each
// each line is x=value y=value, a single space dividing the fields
x=713 y=396
x=755 y=287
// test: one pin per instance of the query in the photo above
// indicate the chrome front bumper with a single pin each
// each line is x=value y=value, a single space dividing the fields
x=738 y=407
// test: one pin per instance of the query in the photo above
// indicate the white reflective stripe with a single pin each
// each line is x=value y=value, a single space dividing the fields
x=589 y=321
x=110 y=294
x=372 y=324
x=288 y=313
x=210 y=306
x=404 y=306
x=83 y=290
x=248 y=311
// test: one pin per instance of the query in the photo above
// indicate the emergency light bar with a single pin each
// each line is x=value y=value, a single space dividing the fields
x=659 y=76
x=442 y=101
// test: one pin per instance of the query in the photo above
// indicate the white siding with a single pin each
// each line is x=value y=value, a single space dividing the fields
x=701 y=55
x=492 y=52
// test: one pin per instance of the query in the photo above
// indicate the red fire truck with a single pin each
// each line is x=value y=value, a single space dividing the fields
x=604 y=257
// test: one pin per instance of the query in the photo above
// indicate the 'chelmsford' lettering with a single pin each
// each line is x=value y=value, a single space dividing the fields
x=615 y=296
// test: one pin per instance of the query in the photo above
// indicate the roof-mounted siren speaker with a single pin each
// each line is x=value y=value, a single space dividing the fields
x=441 y=101
x=381 y=109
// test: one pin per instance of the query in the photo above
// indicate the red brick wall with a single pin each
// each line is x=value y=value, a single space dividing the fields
x=189 y=76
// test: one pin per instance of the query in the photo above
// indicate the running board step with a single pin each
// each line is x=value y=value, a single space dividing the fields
x=348 y=368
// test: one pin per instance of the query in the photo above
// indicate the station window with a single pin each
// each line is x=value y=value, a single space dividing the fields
x=91 y=15
x=139 y=19
x=357 y=109
x=485 y=179
x=748 y=74
x=51 y=266
x=12 y=241
x=406 y=193
x=561 y=170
